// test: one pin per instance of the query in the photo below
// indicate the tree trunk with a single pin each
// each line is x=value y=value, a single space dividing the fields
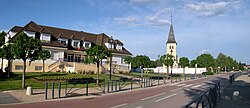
x=184 y=74
x=23 y=77
x=43 y=65
x=168 y=70
x=8 y=74
x=2 y=64
x=171 y=70
x=97 y=74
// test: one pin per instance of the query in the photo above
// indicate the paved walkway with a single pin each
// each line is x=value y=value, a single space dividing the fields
x=6 y=98
x=241 y=86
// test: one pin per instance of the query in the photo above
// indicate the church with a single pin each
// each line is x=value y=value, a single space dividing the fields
x=172 y=46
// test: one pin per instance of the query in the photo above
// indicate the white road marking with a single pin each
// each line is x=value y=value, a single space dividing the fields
x=188 y=85
x=152 y=96
x=165 y=97
x=177 y=89
x=117 y=106
x=181 y=85
x=196 y=86
x=173 y=84
x=139 y=107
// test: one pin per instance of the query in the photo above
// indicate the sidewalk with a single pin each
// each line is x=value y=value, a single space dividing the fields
x=241 y=85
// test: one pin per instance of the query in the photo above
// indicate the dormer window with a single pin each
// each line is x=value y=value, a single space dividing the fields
x=87 y=45
x=64 y=42
x=75 y=44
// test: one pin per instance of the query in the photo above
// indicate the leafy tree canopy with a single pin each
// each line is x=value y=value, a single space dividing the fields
x=2 y=38
x=183 y=62
x=205 y=60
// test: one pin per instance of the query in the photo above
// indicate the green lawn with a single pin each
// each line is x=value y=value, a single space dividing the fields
x=15 y=81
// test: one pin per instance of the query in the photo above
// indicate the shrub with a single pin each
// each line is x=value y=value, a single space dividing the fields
x=207 y=73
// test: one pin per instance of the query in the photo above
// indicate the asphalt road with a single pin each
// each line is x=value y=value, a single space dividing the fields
x=175 y=95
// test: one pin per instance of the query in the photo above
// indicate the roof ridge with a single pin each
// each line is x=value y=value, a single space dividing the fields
x=67 y=29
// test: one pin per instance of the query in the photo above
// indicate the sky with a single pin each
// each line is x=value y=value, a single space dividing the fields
x=200 y=26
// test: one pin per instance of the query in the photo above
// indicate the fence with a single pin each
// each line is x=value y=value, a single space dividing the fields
x=209 y=98
x=66 y=88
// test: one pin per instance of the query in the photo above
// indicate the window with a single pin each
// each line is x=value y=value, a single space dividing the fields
x=38 y=68
x=172 y=47
x=169 y=47
x=63 y=42
x=18 y=67
x=87 y=45
x=75 y=44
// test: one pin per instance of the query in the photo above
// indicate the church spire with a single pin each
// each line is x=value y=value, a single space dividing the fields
x=171 y=38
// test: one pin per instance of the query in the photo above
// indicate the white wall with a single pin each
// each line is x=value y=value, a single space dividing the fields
x=179 y=70
x=119 y=46
x=108 y=45
x=45 y=37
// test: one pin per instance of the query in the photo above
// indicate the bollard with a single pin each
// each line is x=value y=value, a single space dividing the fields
x=108 y=87
x=66 y=88
x=131 y=84
x=158 y=81
x=111 y=85
x=119 y=85
x=87 y=87
x=104 y=86
x=53 y=90
x=144 y=82
x=29 y=91
x=115 y=85
x=46 y=90
x=59 y=89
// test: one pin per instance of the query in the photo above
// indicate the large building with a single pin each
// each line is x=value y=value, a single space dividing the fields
x=67 y=48
x=172 y=46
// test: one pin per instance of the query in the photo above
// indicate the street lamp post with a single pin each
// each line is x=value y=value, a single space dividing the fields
x=110 y=59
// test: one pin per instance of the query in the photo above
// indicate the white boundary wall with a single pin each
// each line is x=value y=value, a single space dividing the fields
x=178 y=70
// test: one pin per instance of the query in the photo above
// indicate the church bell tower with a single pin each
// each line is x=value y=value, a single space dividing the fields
x=172 y=45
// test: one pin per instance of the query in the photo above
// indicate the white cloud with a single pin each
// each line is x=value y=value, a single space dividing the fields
x=141 y=1
x=205 y=9
x=159 y=18
x=204 y=52
x=130 y=20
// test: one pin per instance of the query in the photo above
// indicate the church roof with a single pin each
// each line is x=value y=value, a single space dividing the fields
x=171 y=38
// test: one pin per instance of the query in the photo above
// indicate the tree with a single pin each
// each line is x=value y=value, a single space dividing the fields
x=25 y=48
x=9 y=55
x=205 y=60
x=167 y=60
x=2 y=38
x=183 y=62
x=44 y=55
x=128 y=60
x=192 y=63
x=2 y=57
x=140 y=60
x=96 y=54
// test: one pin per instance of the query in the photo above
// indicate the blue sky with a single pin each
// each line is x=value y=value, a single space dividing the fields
x=200 y=26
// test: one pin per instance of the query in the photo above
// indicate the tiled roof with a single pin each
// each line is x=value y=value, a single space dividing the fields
x=16 y=29
x=98 y=39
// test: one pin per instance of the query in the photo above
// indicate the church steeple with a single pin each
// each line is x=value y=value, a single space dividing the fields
x=171 y=38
